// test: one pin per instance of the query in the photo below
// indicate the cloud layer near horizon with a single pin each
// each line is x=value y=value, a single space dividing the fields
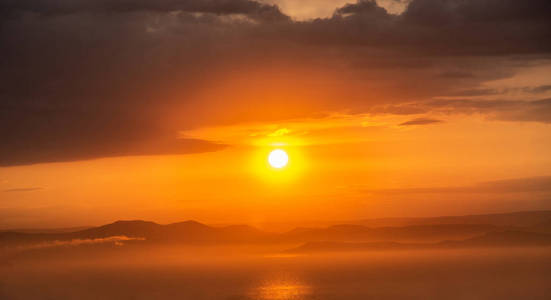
x=86 y=79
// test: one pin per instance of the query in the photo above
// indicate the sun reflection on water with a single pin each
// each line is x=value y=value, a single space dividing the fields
x=281 y=290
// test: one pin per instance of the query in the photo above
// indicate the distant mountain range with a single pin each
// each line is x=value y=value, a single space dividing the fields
x=189 y=232
x=513 y=229
x=490 y=239
x=520 y=219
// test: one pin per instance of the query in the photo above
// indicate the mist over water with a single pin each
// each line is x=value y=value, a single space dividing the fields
x=235 y=274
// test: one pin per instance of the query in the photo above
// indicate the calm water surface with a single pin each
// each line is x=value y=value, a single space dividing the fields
x=472 y=274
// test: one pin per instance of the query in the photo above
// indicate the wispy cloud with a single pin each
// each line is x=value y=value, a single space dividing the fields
x=116 y=240
x=16 y=190
x=519 y=185
x=420 y=121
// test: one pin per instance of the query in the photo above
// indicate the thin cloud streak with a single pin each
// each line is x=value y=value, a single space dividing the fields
x=19 y=190
x=519 y=185
x=421 y=121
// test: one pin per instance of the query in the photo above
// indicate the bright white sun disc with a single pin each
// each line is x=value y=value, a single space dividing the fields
x=278 y=158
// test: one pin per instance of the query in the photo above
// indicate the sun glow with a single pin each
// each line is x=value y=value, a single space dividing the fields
x=278 y=163
x=278 y=158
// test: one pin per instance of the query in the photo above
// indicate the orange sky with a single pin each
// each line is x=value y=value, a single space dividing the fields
x=340 y=167
x=182 y=128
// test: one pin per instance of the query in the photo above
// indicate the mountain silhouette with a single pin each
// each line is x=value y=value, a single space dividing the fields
x=191 y=232
x=514 y=232
x=509 y=238
x=487 y=240
x=351 y=233
x=521 y=219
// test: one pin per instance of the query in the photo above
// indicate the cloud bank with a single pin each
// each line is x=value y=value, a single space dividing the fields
x=88 y=79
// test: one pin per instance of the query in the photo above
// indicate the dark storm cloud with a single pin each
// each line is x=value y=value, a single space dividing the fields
x=363 y=7
x=52 y=7
x=91 y=91
x=420 y=121
x=85 y=79
x=449 y=27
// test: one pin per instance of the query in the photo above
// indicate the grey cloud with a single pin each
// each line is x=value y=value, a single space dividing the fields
x=456 y=74
x=535 y=111
x=362 y=7
x=530 y=111
x=518 y=185
x=420 y=121
x=86 y=79
x=54 y=7
x=77 y=147
x=450 y=27
x=93 y=96
x=475 y=92
x=538 y=89
x=505 y=110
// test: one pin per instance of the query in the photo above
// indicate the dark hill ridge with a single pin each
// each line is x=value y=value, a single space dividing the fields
x=420 y=233
x=543 y=227
x=520 y=219
x=188 y=231
x=487 y=240
x=509 y=238
x=135 y=228
x=192 y=232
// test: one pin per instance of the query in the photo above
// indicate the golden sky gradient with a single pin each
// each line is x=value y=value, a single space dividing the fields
x=340 y=167
x=375 y=124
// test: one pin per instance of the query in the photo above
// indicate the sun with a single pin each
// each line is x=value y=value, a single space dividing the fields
x=278 y=158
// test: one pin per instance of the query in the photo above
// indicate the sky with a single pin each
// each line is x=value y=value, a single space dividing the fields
x=167 y=110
